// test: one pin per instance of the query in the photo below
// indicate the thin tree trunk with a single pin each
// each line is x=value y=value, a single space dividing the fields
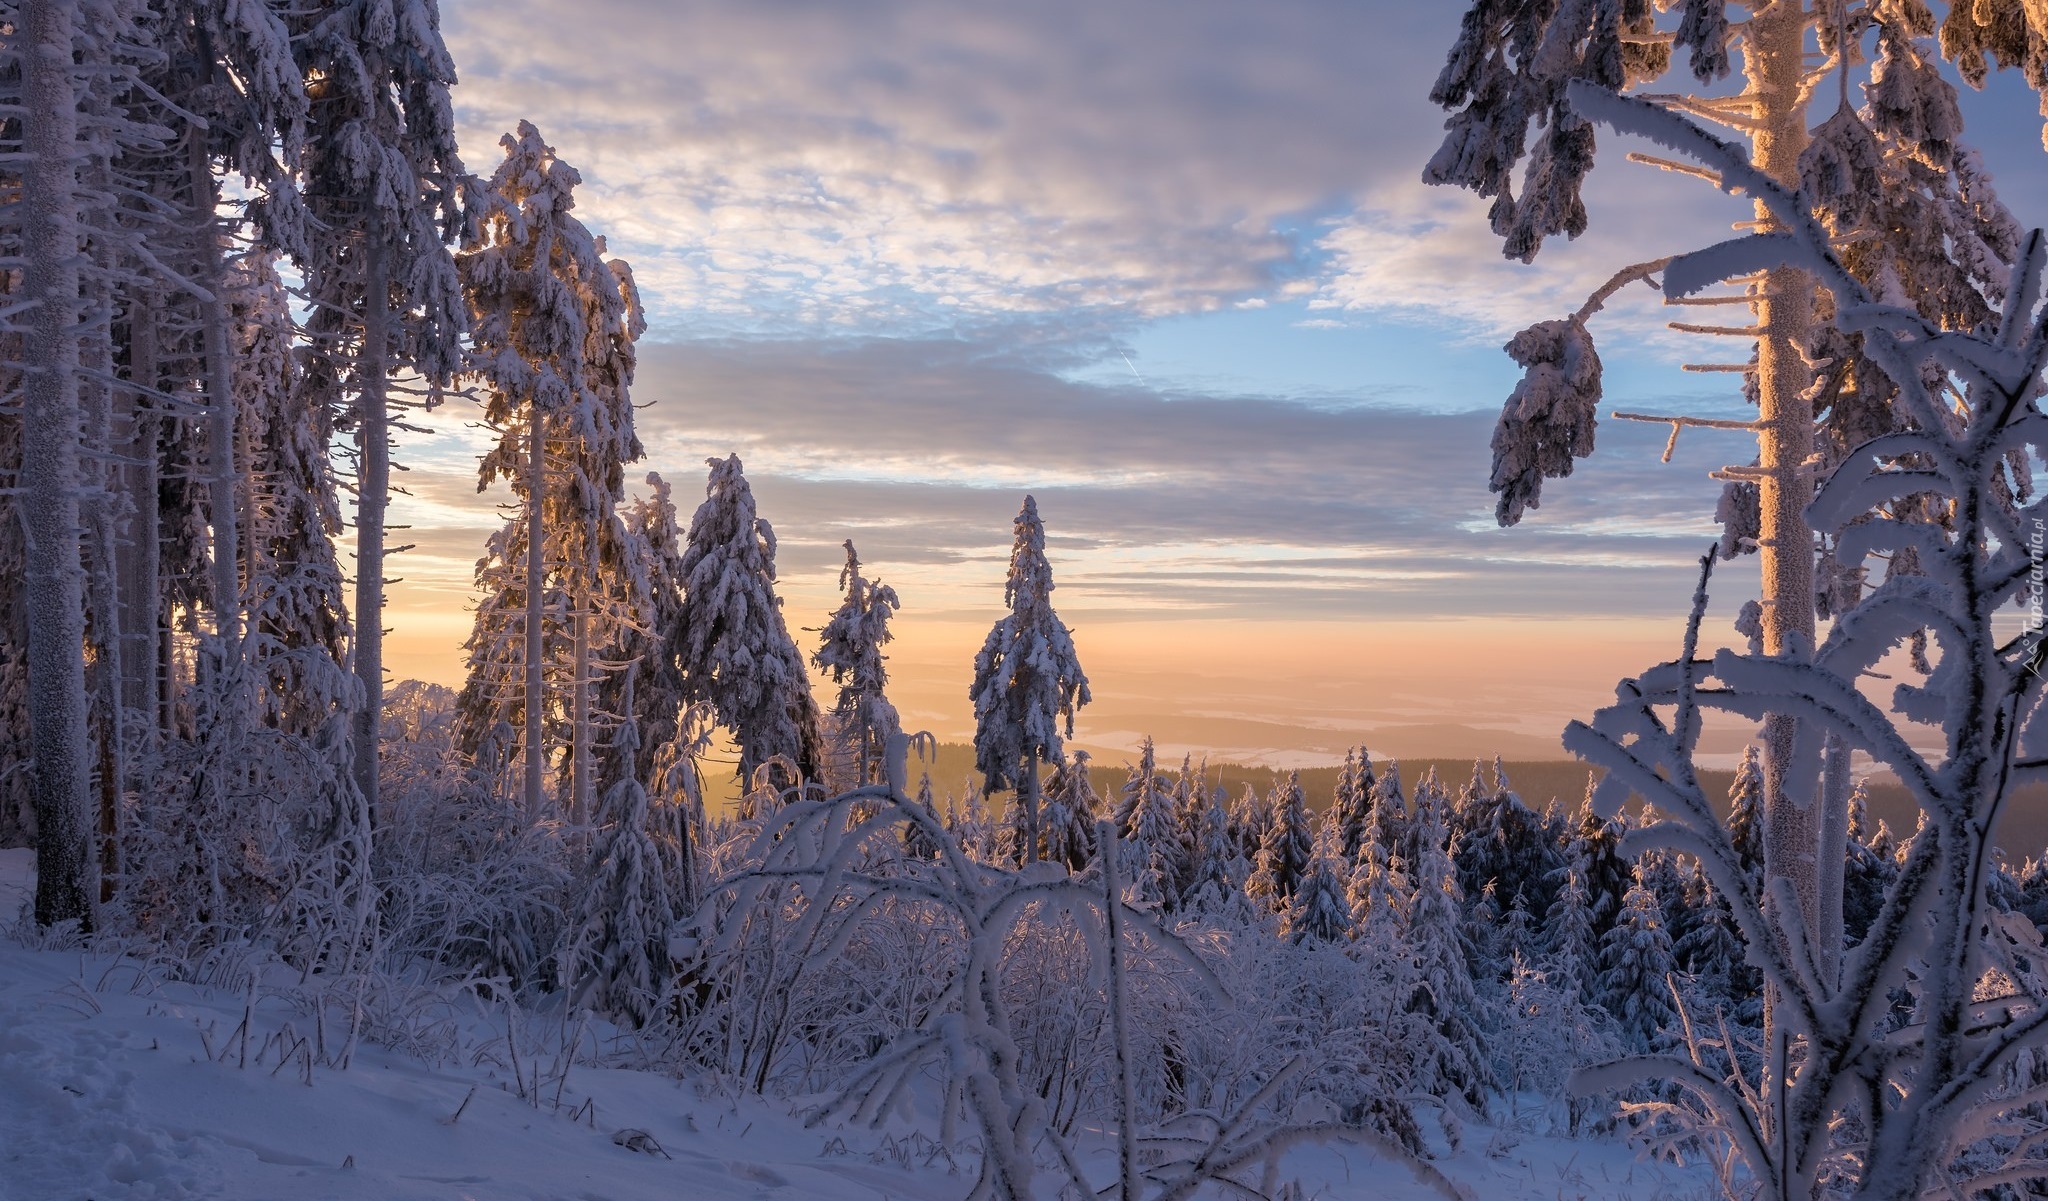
x=66 y=867
x=373 y=442
x=1119 y=1019
x=862 y=715
x=222 y=477
x=582 y=810
x=1774 y=64
x=536 y=484
x=1030 y=799
x=1833 y=857
x=100 y=518
x=141 y=592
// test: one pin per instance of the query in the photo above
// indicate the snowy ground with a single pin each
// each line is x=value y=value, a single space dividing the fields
x=118 y=1086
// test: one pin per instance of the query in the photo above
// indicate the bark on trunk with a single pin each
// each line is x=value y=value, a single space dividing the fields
x=1774 y=64
x=222 y=477
x=373 y=442
x=141 y=593
x=67 y=868
x=97 y=509
x=582 y=810
x=536 y=484
x=1030 y=799
x=1119 y=1019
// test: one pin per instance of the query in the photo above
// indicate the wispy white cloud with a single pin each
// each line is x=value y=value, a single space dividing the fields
x=928 y=161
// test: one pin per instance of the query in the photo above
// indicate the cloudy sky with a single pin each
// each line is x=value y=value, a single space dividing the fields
x=1168 y=266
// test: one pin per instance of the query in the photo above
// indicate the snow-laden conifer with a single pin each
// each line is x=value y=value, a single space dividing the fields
x=1286 y=849
x=1380 y=893
x=1456 y=1063
x=384 y=192
x=729 y=635
x=553 y=328
x=298 y=626
x=646 y=685
x=1353 y=801
x=1390 y=806
x=615 y=951
x=1502 y=843
x=1154 y=858
x=1067 y=833
x=1027 y=678
x=1635 y=962
x=1746 y=815
x=1573 y=946
x=1213 y=878
x=1318 y=909
x=1251 y=815
x=850 y=653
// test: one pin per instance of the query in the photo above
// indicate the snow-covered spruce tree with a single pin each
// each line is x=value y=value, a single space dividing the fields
x=1352 y=801
x=850 y=652
x=1318 y=909
x=382 y=184
x=1881 y=177
x=729 y=636
x=118 y=127
x=1455 y=1065
x=1635 y=963
x=1142 y=786
x=653 y=571
x=1071 y=809
x=1502 y=843
x=1572 y=950
x=1286 y=849
x=615 y=952
x=298 y=617
x=676 y=796
x=1027 y=678
x=1746 y=814
x=67 y=880
x=1251 y=815
x=1593 y=852
x=918 y=844
x=1153 y=858
x=1390 y=806
x=1380 y=894
x=1214 y=880
x=1429 y=811
x=1868 y=875
x=1191 y=799
x=1841 y=1098
x=552 y=327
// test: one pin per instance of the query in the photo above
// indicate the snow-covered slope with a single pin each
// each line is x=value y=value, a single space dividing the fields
x=117 y=1085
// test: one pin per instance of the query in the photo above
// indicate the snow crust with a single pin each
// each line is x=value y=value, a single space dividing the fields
x=107 y=1092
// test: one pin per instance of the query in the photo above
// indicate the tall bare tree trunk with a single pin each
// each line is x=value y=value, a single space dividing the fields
x=1775 y=65
x=583 y=811
x=1028 y=797
x=66 y=866
x=373 y=496
x=141 y=593
x=98 y=510
x=222 y=478
x=536 y=485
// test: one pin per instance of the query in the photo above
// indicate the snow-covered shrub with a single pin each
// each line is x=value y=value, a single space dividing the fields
x=1845 y=1096
x=997 y=982
x=465 y=880
x=243 y=831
